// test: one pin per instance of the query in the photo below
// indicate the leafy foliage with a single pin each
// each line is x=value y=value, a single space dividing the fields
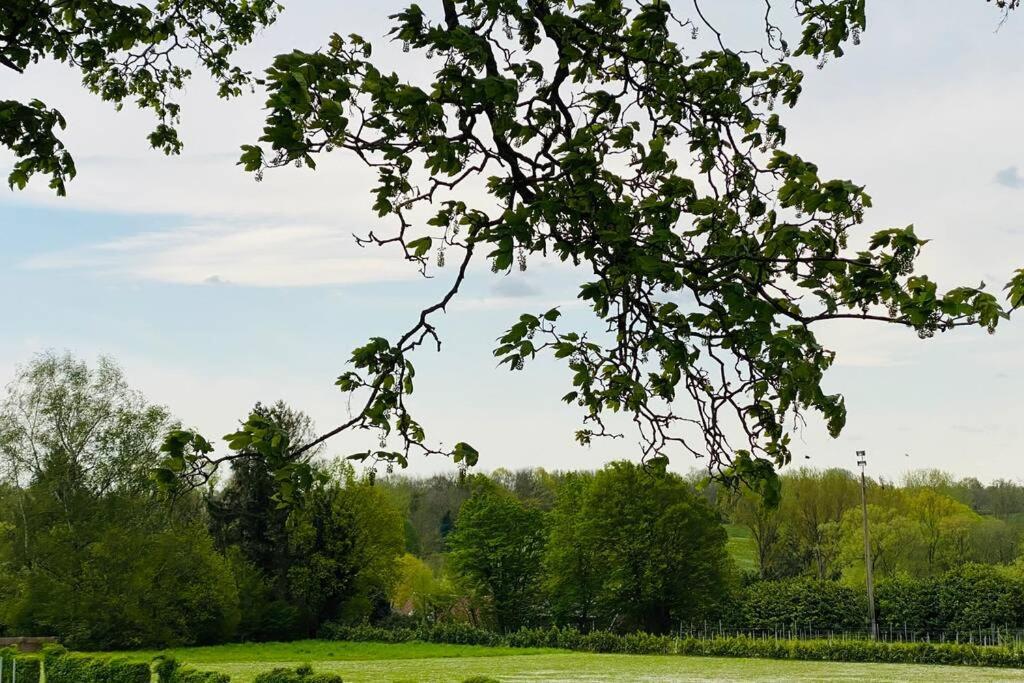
x=648 y=553
x=88 y=551
x=963 y=599
x=124 y=53
x=15 y=666
x=344 y=543
x=497 y=548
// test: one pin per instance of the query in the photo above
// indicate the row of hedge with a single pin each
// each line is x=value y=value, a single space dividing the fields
x=63 y=667
x=26 y=668
x=963 y=599
x=716 y=646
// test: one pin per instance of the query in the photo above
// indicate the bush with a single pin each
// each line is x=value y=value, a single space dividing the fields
x=62 y=667
x=168 y=670
x=481 y=679
x=302 y=674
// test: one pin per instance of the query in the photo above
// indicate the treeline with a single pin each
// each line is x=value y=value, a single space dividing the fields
x=92 y=552
x=940 y=564
x=925 y=526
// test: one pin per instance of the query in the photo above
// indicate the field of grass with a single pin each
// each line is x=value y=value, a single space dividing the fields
x=433 y=663
x=741 y=547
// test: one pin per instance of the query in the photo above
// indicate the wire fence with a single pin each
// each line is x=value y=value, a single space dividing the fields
x=1005 y=636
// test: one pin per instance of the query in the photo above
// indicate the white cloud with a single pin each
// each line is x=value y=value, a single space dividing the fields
x=267 y=256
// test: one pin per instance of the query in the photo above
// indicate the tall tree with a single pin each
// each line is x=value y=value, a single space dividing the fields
x=344 y=540
x=246 y=514
x=90 y=552
x=591 y=133
x=497 y=548
x=571 y=564
x=659 y=550
x=815 y=502
x=74 y=433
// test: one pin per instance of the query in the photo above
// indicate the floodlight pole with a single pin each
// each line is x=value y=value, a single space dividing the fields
x=863 y=461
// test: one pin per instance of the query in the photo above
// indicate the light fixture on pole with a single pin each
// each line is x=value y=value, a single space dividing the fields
x=862 y=462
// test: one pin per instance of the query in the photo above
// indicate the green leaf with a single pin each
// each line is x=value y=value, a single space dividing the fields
x=420 y=246
x=465 y=453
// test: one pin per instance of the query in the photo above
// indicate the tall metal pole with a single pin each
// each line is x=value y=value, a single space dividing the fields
x=862 y=461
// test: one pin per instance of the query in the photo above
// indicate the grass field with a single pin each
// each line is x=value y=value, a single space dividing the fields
x=432 y=663
x=741 y=546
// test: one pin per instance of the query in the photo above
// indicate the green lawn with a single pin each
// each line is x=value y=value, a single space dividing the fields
x=741 y=546
x=431 y=663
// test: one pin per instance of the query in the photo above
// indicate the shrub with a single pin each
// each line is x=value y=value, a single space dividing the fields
x=168 y=670
x=481 y=679
x=302 y=674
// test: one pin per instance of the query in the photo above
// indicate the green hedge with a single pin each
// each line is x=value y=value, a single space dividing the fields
x=168 y=670
x=28 y=667
x=802 y=603
x=967 y=598
x=62 y=667
x=727 y=646
x=302 y=674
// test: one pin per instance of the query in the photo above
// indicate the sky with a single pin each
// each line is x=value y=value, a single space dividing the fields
x=213 y=291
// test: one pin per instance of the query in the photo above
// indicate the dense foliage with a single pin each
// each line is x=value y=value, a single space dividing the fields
x=647 y=552
x=89 y=552
x=497 y=546
x=965 y=599
x=927 y=526
x=806 y=603
x=92 y=551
